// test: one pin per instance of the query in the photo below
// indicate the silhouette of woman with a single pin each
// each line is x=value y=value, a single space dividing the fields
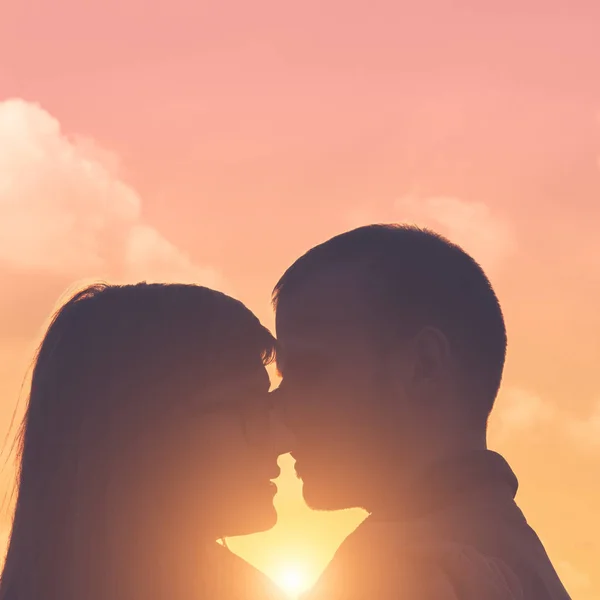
x=147 y=437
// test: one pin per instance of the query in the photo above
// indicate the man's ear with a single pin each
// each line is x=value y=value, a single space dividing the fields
x=431 y=356
x=420 y=362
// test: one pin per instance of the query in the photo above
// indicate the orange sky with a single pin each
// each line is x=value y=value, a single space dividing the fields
x=215 y=143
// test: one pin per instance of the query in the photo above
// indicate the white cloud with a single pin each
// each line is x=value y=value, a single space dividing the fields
x=519 y=410
x=64 y=209
x=147 y=252
x=487 y=237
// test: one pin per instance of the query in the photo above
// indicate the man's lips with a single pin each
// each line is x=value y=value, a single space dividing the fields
x=298 y=468
x=300 y=464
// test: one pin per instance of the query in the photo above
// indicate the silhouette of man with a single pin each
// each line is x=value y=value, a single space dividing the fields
x=392 y=347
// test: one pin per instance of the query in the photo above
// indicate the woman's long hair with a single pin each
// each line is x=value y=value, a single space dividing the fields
x=115 y=366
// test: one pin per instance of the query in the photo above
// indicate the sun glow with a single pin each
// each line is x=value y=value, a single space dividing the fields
x=292 y=580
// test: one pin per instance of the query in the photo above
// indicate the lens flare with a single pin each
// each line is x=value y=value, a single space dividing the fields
x=292 y=580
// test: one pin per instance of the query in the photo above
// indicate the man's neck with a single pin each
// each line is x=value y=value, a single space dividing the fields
x=405 y=484
x=452 y=481
x=446 y=446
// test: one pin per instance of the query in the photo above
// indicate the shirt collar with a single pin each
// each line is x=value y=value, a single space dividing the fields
x=450 y=481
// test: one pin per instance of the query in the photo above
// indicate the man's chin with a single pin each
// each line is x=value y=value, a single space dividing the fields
x=326 y=497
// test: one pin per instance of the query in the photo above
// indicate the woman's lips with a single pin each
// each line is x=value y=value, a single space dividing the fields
x=275 y=473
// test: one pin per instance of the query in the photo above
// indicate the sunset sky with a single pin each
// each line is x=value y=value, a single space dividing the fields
x=216 y=141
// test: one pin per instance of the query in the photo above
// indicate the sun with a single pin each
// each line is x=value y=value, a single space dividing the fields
x=292 y=580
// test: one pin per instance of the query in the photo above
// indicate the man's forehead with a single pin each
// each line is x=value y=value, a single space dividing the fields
x=330 y=299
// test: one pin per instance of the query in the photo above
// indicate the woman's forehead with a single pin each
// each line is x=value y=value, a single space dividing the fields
x=242 y=377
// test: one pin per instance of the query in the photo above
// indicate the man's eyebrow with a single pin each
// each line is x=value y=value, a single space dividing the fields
x=279 y=363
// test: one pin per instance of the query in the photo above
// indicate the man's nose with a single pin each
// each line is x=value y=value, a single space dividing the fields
x=282 y=438
x=292 y=409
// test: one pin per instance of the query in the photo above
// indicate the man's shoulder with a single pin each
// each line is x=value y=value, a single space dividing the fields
x=379 y=561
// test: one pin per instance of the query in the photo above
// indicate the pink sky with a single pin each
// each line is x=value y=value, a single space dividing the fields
x=215 y=142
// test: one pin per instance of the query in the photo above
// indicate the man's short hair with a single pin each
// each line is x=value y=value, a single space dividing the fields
x=416 y=277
